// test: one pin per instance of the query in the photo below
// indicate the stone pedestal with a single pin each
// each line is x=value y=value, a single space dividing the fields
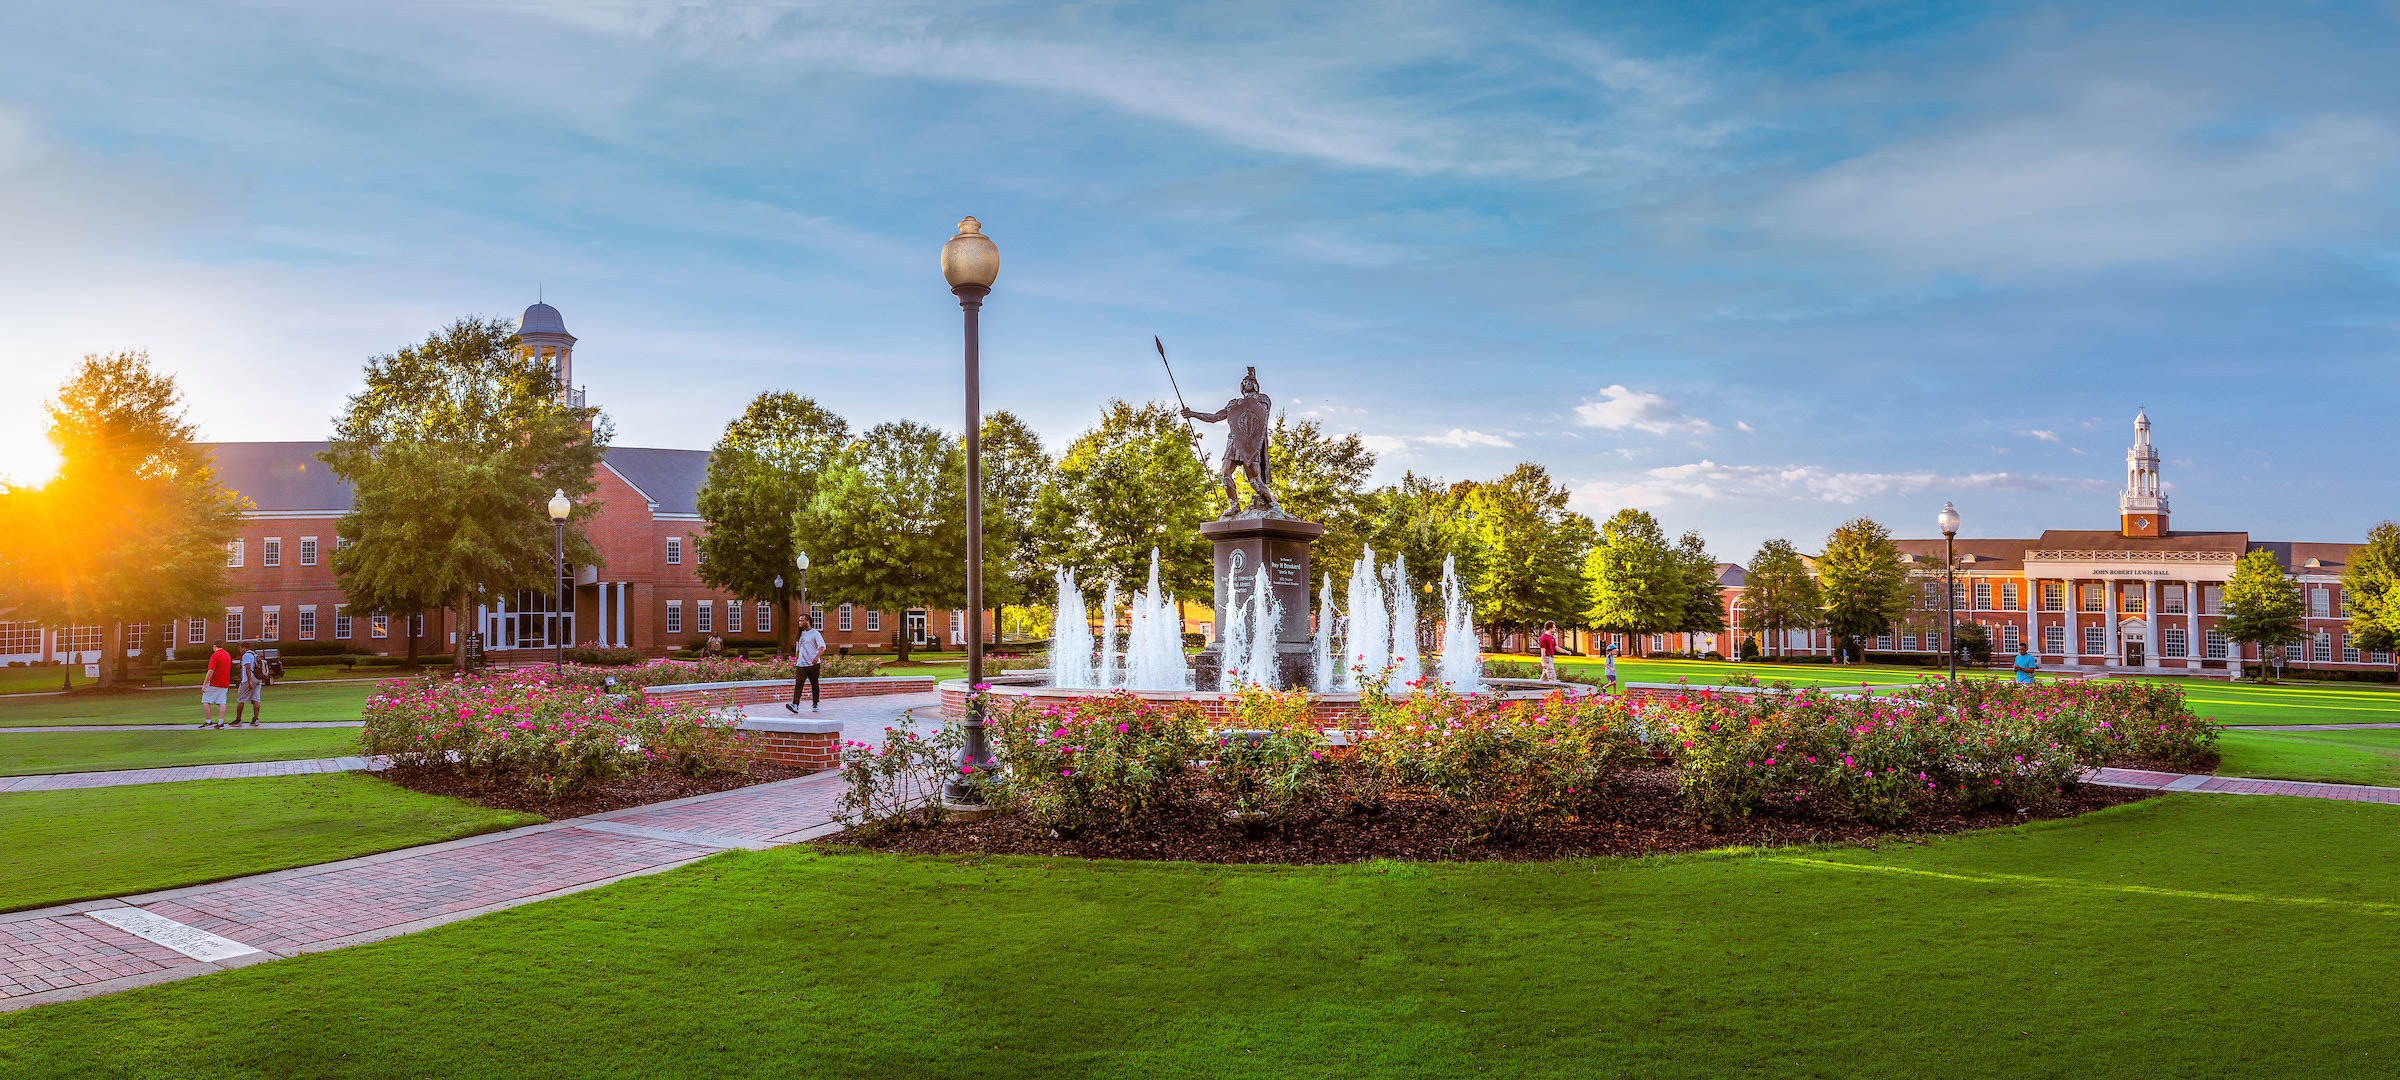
x=1245 y=542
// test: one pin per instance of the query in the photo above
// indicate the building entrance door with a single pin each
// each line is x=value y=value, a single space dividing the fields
x=916 y=627
x=2133 y=653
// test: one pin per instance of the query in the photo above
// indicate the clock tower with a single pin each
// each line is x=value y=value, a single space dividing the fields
x=2142 y=510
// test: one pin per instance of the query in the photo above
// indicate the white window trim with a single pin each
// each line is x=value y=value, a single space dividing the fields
x=766 y=618
x=270 y=551
x=235 y=553
x=379 y=626
x=674 y=551
x=674 y=617
x=308 y=551
x=341 y=622
x=704 y=619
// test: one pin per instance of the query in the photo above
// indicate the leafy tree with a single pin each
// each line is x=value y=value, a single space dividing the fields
x=2371 y=586
x=891 y=521
x=1323 y=479
x=1015 y=474
x=133 y=527
x=762 y=472
x=1531 y=550
x=1976 y=640
x=1638 y=585
x=1128 y=485
x=1864 y=583
x=1422 y=520
x=1778 y=593
x=1704 y=603
x=2262 y=605
x=452 y=452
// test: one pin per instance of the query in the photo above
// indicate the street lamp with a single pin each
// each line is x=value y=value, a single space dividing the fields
x=970 y=263
x=1949 y=523
x=559 y=509
x=803 y=563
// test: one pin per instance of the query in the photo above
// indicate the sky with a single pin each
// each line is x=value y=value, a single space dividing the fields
x=1757 y=269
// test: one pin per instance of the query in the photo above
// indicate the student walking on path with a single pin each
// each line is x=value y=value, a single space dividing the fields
x=213 y=686
x=253 y=678
x=1608 y=657
x=807 y=650
x=1549 y=647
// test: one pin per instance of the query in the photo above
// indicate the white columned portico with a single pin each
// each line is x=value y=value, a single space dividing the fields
x=623 y=638
x=2150 y=640
x=2114 y=656
x=2195 y=648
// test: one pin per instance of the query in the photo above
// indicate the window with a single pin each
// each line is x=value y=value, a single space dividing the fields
x=2291 y=652
x=2320 y=605
x=233 y=553
x=2095 y=598
x=2008 y=596
x=2342 y=609
x=845 y=618
x=199 y=631
x=2380 y=658
x=958 y=626
x=2322 y=652
x=270 y=625
x=340 y=542
x=1958 y=597
x=2095 y=641
x=2009 y=638
x=874 y=621
x=233 y=624
x=2216 y=644
x=2054 y=596
x=2170 y=600
x=1908 y=643
x=272 y=553
x=2172 y=642
x=816 y=616
x=674 y=616
x=308 y=622
x=1658 y=643
x=674 y=551
x=416 y=626
x=1933 y=596
x=1933 y=641
x=341 y=621
x=708 y=616
x=134 y=633
x=308 y=551
x=766 y=617
x=2135 y=601
x=733 y=616
x=2212 y=599
x=2349 y=648
x=1983 y=596
x=22 y=637
x=79 y=639
x=379 y=626
x=1883 y=642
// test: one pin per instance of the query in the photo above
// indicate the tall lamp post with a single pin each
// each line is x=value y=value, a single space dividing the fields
x=803 y=563
x=1949 y=523
x=559 y=594
x=970 y=263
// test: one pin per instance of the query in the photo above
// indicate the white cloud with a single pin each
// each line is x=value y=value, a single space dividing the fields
x=2044 y=434
x=1709 y=481
x=1453 y=439
x=1385 y=445
x=1745 y=427
x=1619 y=408
x=1461 y=438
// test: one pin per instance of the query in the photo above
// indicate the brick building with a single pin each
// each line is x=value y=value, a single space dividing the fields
x=644 y=591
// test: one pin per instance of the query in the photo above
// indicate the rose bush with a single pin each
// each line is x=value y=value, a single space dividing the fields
x=1504 y=765
x=554 y=736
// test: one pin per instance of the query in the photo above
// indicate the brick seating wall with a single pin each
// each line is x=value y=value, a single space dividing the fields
x=812 y=750
x=772 y=691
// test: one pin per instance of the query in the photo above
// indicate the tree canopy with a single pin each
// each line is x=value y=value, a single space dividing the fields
x=1423 y=520
x=890 y=520
x=2262 y=604
x=1864 y=584
x=452 y=452
x=1323 y=478
x=1016 y=472
x=2371 y=587
x=762 y=472
x=1530 y=550
x=1703 y=604
x=1131 y=483
x=1778 y=593
x=1638 y=584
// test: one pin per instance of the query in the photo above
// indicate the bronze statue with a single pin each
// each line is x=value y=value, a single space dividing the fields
x=1247 y=421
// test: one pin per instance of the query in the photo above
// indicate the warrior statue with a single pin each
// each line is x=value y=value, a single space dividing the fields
x=1246 y=423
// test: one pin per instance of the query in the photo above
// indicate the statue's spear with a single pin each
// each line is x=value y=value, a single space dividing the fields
x=1187 y=423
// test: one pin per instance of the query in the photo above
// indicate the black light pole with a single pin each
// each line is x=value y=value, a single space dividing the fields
x=559 y=593
x=812 y=619
x=1949 y=523
x=970 y=263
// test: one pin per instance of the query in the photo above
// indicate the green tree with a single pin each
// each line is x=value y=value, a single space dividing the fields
x=2262 y=606
x=1704 y=601
x=764 y=469
x=2371 y=588
x=1976 y=639
x=891 y=521
x=1864 y=583
x=1318 y=477
x=1779 y=594
x=1421 y=520
x=132 y=528
x=1016 y=472
x=452 y=452
x=1531 y=550
x=1638 y=585
x=1128 y=485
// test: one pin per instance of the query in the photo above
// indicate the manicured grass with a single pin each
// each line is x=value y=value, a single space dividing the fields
x=63 y=846
x=2289 y=703
x=302 y=674
x=2187 y=936
x=2338 y=757
x=284 y=703
x=94 y=751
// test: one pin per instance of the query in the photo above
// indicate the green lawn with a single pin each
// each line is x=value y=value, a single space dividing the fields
x=284 y=703
x=2338 y=757
x=94 y=751
x=2187 y=936
x=2291 y=703
x=63 y=846
x=300 y=674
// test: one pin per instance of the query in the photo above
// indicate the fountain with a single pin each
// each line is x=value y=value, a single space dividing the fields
x=1153 y=658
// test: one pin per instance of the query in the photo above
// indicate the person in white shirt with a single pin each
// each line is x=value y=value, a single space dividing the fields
x=806 y=651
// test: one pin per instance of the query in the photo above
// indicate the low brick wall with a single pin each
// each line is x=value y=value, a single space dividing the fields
x=771 y=691
x=1331 y=710
x=806 y=744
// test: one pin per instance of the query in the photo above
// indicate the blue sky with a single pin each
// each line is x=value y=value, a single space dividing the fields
x=1757 y=268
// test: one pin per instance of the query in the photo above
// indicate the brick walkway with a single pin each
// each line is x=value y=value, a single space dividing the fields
x=232 y=771
x=2239 y=785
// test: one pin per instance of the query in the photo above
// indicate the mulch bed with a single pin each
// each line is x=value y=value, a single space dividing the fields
x=1644 y=816
x=617 y=795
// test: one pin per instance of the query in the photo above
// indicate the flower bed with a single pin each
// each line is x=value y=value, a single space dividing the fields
x=532 y=731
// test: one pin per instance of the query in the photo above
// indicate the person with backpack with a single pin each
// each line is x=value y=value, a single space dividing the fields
x=807 y=650
x=213 y=686
x=253 y=678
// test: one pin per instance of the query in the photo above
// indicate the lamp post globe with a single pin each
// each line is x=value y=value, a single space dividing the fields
x=1949 y=523
x=560 y=596
x=802 y=563
x=970 y=263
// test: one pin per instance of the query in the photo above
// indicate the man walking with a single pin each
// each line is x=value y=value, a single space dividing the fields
x=1608 y=658
x=212 y=688
x=807 y=649
x=253 y=678
x=1548 y=644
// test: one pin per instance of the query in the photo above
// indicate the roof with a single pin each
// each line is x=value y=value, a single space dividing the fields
x=280 y=476
x=671 y=478
x=1731 y=575
x=2230 y=543
x=542 y=319
x=2294 y=554
x=1972 y=554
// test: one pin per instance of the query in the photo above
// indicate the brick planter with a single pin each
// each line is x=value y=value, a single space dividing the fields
x=771 y=691
x=1330 y=710
x=806 y=744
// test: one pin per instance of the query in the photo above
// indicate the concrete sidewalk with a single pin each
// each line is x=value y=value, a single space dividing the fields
x=2239 y=785
x=185 y=727
x=231 y=771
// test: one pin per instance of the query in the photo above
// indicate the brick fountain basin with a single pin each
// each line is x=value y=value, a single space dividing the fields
x=1331 y=710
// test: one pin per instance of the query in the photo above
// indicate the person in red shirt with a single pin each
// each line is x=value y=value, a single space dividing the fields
x=212 y=688
x=1549 y=646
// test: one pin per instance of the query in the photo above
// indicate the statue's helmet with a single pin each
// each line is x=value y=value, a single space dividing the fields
x=1250 y=381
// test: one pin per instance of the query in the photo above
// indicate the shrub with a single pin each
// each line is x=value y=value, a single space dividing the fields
x=1073 y=765
x=899 y=779
x=1504 y=766
x=1275 y=759
x=604 y=655
x=531 y=730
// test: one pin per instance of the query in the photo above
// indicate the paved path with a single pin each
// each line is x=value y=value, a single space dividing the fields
x=2309 y=727
x=2239 y=785
x=864 y=718
x=82 y=950
x=233 y=771
x=184 y=727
